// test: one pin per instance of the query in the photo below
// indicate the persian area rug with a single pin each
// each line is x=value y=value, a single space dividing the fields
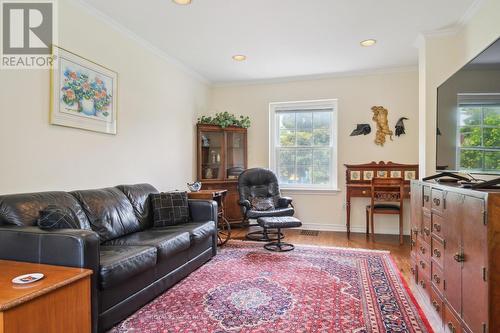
x=248 y=289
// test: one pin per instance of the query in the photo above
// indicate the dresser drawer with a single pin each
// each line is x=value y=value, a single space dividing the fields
x=437 y=302
x=437 y=201
x=437 y=226
x=426 y=227
x=437 y=277
x=451 y=322
x=424 y=267
x=426 y=197
x=437 y=251
x=424 y=250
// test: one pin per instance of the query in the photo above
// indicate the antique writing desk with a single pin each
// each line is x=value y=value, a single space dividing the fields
x=359 y=177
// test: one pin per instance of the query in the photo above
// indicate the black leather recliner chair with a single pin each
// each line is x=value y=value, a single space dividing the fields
x=132 y=262
x=260 y=182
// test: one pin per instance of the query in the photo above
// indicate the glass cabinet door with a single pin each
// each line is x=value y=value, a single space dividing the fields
x=235 y=154
x=212 y=144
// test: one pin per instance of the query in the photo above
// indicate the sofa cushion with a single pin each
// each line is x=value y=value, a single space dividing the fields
x=24 y=209
x=167 y=243
x=254 y=214
x=138 y=195
x=198 y=231
x=110 y=213
x=170 y=208
x=54 y=217
x=119 y=263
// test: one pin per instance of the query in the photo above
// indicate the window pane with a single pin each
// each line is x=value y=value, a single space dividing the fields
x=287 y=157
x=304 y=156
x=322 y=137
x=492 y=160
x=304 y=120
x=471 y=159
x=287 y=120
x=470 y=115
x=304 y=174
x=287 y=138
x=322 y=119
x=304 y=138
x=491 y=137
x=492 y=116
x=321 y=157
x=470 y=136
x=321 y=174
x=286 y=174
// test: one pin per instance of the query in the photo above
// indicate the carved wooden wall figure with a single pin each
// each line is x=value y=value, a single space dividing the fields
x=380 y=117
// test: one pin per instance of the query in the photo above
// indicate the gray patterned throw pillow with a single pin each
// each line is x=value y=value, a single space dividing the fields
x=262 y=204
x=169 y=208
x=54 y=217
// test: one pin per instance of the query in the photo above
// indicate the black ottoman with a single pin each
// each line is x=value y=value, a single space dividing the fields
x=279 y=223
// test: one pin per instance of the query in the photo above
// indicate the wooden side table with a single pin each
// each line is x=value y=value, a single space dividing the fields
x=219 y=196
x=60 y=302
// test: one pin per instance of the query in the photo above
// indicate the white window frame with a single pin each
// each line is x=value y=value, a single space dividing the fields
x=274 y=110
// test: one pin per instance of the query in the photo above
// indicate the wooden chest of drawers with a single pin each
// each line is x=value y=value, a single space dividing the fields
x=456 y=255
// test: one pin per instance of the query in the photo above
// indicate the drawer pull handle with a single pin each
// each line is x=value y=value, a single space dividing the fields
x=422 y=249
x=459 y=257
x=422 y=264
x=435 y=305
x=437 y=227
x=427 y=231
x=436 y=278
x=426 y=197
x=437 y=253
x=422 y=283
x=436 y=201
x=413 y=243
x=412 y=271
x=451 y=327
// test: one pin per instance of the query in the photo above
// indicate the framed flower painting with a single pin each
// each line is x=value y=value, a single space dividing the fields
x=83 y=94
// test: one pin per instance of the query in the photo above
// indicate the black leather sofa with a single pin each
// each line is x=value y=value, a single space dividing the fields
x=132 y=262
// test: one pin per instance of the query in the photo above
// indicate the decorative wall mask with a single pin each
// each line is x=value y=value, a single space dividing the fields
x=361 y=129
x=400 y=126
x=380 y=117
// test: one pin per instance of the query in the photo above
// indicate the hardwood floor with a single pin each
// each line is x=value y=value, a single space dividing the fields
x=400 y=253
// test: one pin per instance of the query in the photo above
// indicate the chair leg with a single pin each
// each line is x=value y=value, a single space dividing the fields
x=367 y=222
x=372 y=224
x=401 y=228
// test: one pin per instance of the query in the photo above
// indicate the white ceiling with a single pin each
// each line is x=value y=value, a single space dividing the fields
x=284 y=38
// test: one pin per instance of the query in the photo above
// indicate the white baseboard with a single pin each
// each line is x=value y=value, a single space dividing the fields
x=342 y=228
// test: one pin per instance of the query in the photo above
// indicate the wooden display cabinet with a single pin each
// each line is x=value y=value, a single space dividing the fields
x=222 y=156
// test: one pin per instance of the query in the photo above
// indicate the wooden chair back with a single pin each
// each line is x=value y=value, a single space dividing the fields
x=387 y=190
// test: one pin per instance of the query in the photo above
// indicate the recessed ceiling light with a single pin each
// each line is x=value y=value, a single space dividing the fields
x=239 y=57
x=368 y=42
x=182 y=2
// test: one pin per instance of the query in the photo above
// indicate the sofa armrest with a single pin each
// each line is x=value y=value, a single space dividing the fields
x=203 y=210
x=64 y=247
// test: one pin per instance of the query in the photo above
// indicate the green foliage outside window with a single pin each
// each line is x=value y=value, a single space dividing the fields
x=479 y=138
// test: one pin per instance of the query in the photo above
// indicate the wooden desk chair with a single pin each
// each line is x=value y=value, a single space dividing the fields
x=385 y=192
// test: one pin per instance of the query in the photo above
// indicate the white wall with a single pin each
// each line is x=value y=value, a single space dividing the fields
x=157 y=106
x=397 y=91
x=441 y=55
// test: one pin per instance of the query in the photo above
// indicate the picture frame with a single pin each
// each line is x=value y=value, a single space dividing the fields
x=382 y=174
x=83 y=93
x=355 y=175
x=368 y=175
x=395 y=174
x=410 y=175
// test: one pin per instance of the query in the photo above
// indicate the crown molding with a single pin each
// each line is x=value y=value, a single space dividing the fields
x=106 y=19
x=290 y=79
x=456 y=27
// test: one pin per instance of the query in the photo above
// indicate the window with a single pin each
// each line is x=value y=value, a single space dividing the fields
x=478 y=132
x=303 y=150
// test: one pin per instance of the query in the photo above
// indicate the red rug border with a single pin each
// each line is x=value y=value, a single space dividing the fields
x=421 y=312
